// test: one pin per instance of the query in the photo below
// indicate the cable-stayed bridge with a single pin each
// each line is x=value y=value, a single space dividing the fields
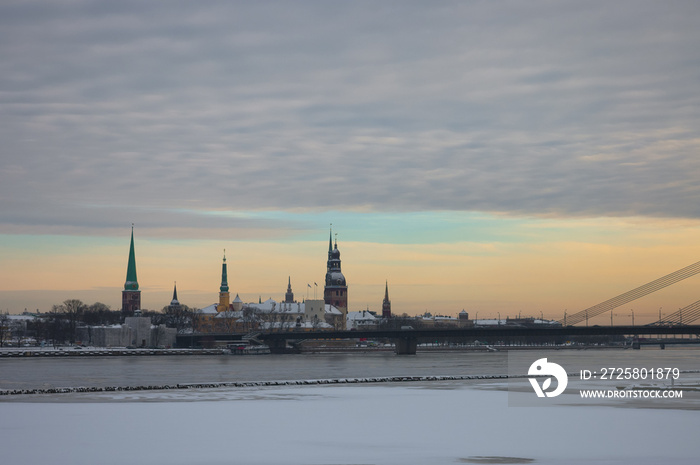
x=692 y=311
x=683 y=316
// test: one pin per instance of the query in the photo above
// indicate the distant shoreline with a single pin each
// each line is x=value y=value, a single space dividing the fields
x=31 y=352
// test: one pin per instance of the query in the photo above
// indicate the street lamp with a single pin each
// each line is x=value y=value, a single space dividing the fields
x=632 y=310
x=499 y=318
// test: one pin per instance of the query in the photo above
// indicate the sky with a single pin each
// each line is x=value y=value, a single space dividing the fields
x=501 y=157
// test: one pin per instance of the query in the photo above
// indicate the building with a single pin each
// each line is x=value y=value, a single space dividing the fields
x=296 y=316
x=335 y=292
x=386 y=303
x=362 y=320
x=329 y=313
x=289 y=295
x=131 y=295
x=224 y=296
x=223 y=316
x=174 y=306
x=464 y=320
x=438 y=321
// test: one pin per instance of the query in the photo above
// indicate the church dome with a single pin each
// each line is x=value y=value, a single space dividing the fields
x=335 y=278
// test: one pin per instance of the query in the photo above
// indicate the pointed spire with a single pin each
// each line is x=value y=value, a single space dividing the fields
x=175 y=301
x=386 y=304
x=224 y=276
x=131 y=283
x=330 y=241
x=289 y=295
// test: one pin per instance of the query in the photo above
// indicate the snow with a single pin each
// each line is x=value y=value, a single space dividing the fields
x=394 y=423
x=209 y=310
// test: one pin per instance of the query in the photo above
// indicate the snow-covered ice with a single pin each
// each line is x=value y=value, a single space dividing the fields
x=398 y=423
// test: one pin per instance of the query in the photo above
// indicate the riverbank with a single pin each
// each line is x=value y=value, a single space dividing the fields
x=100 y=352
x=13 y=352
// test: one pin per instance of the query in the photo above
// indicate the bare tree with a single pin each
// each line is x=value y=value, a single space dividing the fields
x=99 y=314
x=72 y=310
x=4 y=328
x=250 y=319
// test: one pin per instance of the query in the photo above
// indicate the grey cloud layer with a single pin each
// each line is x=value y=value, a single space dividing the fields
x=522 y=107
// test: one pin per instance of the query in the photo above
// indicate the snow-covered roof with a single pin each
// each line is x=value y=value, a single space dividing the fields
x=438 y=317
x=270 y=306
x=494 y=322
x=209 y=310
x=363 y=316
x=293 y=325
x=536 y=321
x=229 y=314
x=21 y=317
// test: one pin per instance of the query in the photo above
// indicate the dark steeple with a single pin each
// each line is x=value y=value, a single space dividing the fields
x=289 y=296
x=174 y=301
x=330 y=242
x=336 y=290
x=386 y=304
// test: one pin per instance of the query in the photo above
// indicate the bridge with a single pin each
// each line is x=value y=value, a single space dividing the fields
x=407 y=340
x=692 y=312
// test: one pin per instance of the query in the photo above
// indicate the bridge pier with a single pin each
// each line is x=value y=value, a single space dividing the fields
x=279 y=346
x=406 y=345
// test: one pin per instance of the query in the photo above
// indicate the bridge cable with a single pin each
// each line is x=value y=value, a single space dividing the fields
x=683 y=316
x=634 y=294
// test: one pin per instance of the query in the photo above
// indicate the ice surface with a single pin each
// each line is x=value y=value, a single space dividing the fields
x=425 y=423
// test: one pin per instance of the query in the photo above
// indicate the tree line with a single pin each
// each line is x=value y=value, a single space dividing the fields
x=59 y=325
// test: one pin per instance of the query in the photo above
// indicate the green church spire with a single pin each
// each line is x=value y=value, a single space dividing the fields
x=131 y=283
x=224 y=276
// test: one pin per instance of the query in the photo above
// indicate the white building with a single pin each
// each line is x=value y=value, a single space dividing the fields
x=362 y=320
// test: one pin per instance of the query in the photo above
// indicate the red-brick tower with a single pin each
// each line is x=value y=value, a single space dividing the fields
x=386 y=303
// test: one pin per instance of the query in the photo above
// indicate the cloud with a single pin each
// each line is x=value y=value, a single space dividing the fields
x=180 y=109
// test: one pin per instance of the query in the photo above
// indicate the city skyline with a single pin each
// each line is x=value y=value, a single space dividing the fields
x=494 y=157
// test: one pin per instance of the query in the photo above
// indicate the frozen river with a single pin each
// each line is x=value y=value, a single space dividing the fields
x=438 y=422
x=44 y=372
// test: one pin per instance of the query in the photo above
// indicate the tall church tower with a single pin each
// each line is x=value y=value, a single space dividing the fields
x=224 y=296
x=336 y=291
x=131 y=295
x=386 y=303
